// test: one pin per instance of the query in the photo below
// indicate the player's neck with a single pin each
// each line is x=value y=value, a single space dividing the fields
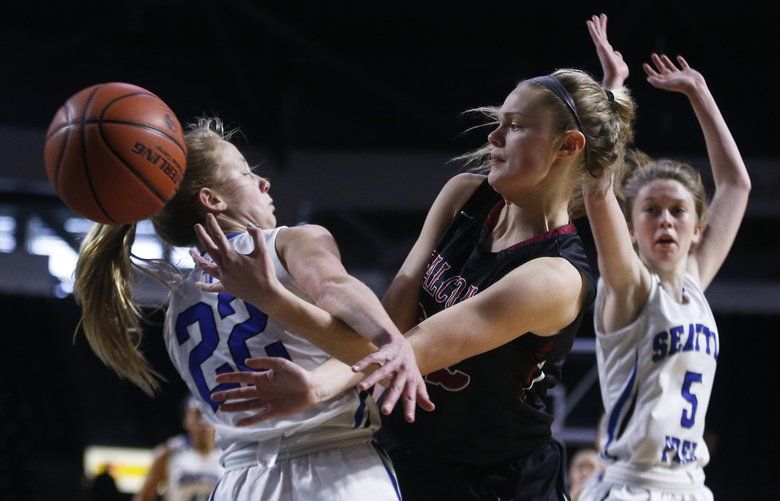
x=517 y=223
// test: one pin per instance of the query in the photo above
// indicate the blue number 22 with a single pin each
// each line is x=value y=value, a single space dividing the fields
x=203 y=315
x=686 y=420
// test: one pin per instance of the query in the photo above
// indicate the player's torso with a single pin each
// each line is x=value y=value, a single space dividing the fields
x=656 y=376
x=490 y=402
x=208 y=334
x=191 y=474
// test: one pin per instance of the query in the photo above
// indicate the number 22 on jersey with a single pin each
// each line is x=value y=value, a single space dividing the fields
x=203 y=315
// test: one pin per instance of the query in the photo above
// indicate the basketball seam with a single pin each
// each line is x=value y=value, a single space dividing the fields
x=126 y=122
x=58 y=169
x=86 y=162
x=121 y=122
x=171 y=138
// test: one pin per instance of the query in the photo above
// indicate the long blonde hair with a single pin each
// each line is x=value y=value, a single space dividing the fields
x=606 y=125
x=106 y=271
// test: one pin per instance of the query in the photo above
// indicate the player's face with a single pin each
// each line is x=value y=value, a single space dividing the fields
x=664 y=223
x=585 y=465
x=245 y=193
x=523 y=144
x=198 y=429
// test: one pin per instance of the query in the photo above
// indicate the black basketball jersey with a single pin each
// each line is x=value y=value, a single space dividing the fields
x=489 y=407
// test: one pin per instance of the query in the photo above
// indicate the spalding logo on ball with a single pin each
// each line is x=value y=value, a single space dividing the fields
x=115 y=153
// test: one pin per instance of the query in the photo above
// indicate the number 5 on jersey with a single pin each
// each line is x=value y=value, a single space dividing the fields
x=687 y=419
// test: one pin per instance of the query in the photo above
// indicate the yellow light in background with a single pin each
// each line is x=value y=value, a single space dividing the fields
x=127 y=465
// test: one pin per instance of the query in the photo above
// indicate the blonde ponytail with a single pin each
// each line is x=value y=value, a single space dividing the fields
x=110 y=320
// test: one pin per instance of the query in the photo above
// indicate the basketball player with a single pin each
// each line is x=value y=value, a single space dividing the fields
x=657 y=342
x=186 y=466
x=322 y=452
x=491 y=296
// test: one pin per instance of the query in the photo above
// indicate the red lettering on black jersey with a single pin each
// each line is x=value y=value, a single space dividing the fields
x=449 y=379
x=448 y=291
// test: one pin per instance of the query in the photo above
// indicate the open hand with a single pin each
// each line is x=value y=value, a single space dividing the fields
x=251 y=277
x=279 y=388
x=397 y=363
x=667 y=76
x=612 y=64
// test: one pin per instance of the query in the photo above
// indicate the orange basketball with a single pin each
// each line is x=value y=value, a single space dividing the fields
x=115 y=153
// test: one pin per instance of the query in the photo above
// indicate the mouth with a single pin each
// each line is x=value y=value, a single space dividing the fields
x=494 y=159
x=665 y=241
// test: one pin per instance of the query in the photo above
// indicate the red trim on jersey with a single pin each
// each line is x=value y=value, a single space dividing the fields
x=538 y=356
x=492 y=218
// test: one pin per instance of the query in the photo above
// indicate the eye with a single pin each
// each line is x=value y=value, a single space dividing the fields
x=514 y=126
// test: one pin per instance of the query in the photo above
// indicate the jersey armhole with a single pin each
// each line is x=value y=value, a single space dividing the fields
x=598 y=312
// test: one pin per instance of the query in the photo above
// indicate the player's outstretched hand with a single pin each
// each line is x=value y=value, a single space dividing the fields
x=664 y=74
x=612 y=64
x=397 y=363
x=249 y=276
x=278 y=388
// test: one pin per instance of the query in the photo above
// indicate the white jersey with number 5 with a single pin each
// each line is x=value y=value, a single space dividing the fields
x=207 y=334
x=656 y=375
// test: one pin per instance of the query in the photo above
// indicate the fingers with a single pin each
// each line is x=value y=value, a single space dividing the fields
x=423 y=400
x=650 y=71
x=375 y=377
x=668 y=64
x=238 y=377
x=207 y=266
x=603 y=23
x=266 y=363
x=217 y=235
x=215 y=287
x=392 y=395
x=206 y=242
x=234 y=394
x=244 y=405
x=410 y=401
x=683 y=63
x=375 y=358
x=257 y=237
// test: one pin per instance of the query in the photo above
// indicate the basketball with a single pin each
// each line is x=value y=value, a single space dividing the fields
x=115 y=153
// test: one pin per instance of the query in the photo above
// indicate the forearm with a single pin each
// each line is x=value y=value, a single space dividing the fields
x=727 y=164
x=333 y=378
x=351 y=301
x=319 y=327
x=617 y=259
x=400 y=302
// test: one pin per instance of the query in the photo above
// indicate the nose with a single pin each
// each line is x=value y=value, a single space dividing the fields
x=666 y=219
x=265 y=185
x=496 y=137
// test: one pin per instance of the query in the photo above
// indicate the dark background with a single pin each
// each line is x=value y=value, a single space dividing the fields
x=366 y=76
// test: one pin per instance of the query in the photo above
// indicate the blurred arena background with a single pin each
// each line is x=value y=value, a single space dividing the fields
x=353 y=110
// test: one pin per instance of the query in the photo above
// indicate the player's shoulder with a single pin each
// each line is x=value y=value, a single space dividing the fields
x=458 y=190
x=463 y=184
x=301 y=235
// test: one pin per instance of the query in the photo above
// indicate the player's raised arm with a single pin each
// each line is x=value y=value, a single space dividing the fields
x=732 y=183
x=626 y=280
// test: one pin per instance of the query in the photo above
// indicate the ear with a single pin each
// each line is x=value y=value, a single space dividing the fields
x=211 y=201
x=696 y=235
x=573 y=143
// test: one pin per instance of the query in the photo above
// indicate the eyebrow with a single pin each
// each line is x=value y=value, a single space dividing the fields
x=673 y=199
x=509 y=113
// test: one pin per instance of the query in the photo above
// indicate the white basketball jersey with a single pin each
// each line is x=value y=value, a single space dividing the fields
x=207 y=334
x=656 y=375
x=191 y=474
